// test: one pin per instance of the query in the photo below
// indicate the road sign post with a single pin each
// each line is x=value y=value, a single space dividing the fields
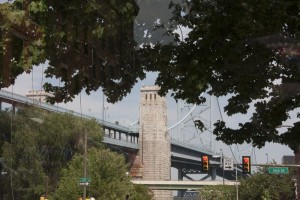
x=278 y=170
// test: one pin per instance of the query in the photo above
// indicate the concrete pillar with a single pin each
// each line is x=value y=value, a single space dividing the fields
x=180 y=178
x=180 y=173
x=154 y=141
x=213 y=173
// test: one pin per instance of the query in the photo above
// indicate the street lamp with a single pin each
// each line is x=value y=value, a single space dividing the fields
x=267 y=158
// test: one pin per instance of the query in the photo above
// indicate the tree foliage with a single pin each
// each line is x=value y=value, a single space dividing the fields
x=259 y=186
x=107 y=171
x=39 y=150
x=89 y=44
x=217 y=192
x=248 y=50
x=268 y=186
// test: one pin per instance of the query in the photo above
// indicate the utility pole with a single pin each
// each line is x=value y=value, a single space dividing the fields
x=84 y=163
x=236 y=184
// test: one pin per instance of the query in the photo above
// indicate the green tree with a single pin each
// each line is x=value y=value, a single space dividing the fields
x=223 y=192
x=267 y=186
x=107 y=171
x=4 y=136
x=259 y=186
x=39 y=149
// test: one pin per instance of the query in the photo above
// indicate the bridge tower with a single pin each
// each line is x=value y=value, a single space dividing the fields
x=154 y=156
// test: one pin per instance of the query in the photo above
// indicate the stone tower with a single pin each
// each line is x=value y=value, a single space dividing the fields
x=154 y=141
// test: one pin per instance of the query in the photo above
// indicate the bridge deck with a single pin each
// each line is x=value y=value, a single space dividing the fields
x=179 y=149
x=180 y=185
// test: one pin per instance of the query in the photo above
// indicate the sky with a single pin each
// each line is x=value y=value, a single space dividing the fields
x=127 y=111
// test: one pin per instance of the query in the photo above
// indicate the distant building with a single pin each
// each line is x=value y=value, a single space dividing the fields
x=39 y=95
x=288 y=160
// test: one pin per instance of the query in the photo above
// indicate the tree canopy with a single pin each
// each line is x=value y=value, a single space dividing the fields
x=248 y=50
x=259 y=186
x=89 y=44
x=108 y=178
x=35 y=150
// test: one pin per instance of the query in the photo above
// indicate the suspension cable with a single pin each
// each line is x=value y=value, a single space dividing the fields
x=223 y=120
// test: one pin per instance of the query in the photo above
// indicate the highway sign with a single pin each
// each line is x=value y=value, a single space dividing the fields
x=84 y=180
x=228 y=164
x=278 y=170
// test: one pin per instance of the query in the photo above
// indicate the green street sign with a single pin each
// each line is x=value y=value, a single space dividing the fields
x=278 y=170
x=84 y=180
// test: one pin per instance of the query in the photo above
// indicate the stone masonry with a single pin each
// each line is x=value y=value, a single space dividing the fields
x=154 y=141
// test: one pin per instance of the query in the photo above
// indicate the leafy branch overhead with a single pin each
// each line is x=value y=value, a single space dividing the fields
x=248 y=50
x=88 y=45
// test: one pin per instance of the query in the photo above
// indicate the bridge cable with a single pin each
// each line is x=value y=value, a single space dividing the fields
x=42 y=81
x=223 y=120
x=171 y=127
x=59 y=80
x=32 y=86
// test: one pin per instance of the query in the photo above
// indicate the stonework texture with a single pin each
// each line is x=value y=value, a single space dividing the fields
x=154 y=140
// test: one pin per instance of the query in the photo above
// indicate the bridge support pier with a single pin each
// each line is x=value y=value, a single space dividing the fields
x=154 y=156
x=213 y=173
x=180 y=173
x=180 y=178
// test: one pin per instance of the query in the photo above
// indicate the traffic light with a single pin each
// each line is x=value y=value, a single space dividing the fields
x=205 y=163
x=246 y=164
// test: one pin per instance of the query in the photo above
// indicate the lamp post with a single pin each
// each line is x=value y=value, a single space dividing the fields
x=267 y=158
x=236 y=183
